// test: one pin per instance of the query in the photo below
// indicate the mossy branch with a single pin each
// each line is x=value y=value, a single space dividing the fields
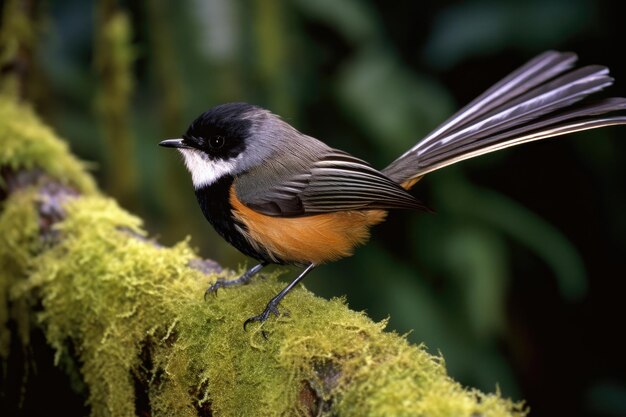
x=130 y=313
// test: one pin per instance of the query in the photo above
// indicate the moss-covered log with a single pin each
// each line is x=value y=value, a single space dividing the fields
x=129 y=314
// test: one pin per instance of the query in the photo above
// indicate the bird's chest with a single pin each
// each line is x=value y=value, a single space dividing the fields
x=215 y=205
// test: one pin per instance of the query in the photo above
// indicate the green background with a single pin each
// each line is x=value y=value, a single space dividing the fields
x=516 y=279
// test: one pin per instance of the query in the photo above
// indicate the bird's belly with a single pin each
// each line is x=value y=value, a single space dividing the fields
x=317 y=238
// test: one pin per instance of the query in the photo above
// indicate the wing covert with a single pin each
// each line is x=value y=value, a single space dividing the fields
x=335 y=182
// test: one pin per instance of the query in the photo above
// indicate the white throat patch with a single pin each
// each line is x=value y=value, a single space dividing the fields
x=203 y=170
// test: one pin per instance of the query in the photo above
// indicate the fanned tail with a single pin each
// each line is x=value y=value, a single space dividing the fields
x=542 y=99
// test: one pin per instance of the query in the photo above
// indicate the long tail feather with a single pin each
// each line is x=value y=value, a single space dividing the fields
x=537 y=101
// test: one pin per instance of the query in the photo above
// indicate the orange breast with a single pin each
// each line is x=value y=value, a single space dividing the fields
x=318 y=238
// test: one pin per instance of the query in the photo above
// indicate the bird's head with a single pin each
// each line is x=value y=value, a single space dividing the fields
x=227 y=140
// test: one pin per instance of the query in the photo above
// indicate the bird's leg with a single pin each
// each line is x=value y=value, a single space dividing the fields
x=244 y=279
x=272 y=306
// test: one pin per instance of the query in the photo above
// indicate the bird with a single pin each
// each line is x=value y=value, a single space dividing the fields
x=283 y=197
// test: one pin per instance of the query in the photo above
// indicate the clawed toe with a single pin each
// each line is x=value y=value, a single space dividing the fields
x=242 y=280
x=220 y=283
x=272 y=306
x=270 y=309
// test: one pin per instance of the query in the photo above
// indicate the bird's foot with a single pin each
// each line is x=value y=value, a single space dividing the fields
x=220 y=283
x=271 y=308
x=242 y=280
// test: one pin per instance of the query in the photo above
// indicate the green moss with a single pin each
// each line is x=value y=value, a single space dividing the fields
x=19 y=240
x=114 y=296
x=25 y=143
x=123 y=309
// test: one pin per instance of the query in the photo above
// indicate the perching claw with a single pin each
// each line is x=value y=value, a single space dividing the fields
x=272 y=306
x=242 y=280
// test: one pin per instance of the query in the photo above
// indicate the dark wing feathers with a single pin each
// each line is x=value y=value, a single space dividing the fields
x=335 y=182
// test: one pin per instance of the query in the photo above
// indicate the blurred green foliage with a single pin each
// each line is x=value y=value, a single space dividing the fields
x=505 y=279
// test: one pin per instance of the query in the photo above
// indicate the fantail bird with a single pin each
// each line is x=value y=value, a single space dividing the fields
x=283 y=197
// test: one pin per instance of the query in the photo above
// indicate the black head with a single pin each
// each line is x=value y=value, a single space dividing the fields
x=225 y=140
x=221 y=131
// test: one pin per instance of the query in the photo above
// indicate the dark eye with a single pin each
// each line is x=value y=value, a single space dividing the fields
x=216 y=142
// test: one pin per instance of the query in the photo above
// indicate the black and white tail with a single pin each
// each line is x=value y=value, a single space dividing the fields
x=543 y=98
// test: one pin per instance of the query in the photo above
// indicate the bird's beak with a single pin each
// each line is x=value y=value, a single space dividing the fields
x=173 y=143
